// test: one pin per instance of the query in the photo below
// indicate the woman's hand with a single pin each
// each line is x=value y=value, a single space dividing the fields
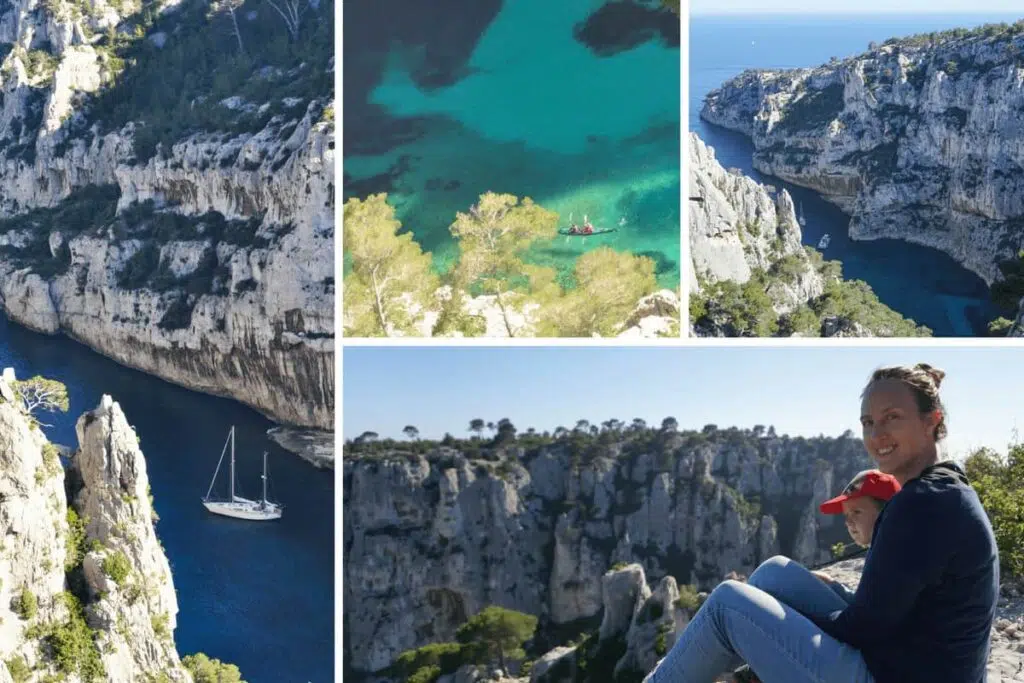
x=823 y=576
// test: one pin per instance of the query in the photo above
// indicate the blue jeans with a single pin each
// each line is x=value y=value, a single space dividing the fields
x=762 y=623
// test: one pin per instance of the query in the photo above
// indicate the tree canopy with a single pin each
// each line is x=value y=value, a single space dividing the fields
x=389 y=272
x=391 y=289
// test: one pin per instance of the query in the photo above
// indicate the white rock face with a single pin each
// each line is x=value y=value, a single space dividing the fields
x=430 y=541
x=115 y=500
x=32 y=525
x=269 y=340
x=133 y=617
x=739 y=226
x=740 y=229
x=916 y=141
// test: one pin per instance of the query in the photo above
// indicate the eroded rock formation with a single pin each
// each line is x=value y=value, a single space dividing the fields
x=88 y=561
x=430 y=540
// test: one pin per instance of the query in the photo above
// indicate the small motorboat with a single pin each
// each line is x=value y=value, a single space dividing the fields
x=825 y=239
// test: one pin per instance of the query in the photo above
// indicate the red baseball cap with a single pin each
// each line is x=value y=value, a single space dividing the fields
x=869 y=483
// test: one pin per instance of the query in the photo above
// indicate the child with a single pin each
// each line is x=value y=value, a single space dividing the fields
x=861 y=502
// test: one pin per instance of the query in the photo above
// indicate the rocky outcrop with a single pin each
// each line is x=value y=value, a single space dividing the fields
x=750 y=275
x=89 y=560
x=1017 y=329
x=430 y=540
x=639 y=625
x=655 y=315
x=918 y=139
x=314 y=446
x=251 y=317
x=740 y=225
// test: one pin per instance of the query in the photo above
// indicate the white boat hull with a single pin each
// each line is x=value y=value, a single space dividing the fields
x=243 y=508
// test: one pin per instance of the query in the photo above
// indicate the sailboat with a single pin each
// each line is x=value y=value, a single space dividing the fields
x=236 y=506
x=800 y=219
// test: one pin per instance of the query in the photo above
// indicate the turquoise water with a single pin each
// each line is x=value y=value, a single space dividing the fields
x=514 y=102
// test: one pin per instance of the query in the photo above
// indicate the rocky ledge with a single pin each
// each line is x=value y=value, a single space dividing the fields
x=740 y=225
x=314 y=446
x=655 y=315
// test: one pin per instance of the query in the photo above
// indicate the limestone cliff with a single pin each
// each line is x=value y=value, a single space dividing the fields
x=216 y=272
x=87 y=590
x=433 y=535
x=740 y=225
x=750 y=275
x=918 y=139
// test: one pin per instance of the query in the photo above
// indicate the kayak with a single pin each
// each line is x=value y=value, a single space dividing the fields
x=565 y=231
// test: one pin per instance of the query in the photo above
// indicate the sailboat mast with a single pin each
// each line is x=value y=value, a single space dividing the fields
x=232 y=464
x=264 y=477
x=223 y=452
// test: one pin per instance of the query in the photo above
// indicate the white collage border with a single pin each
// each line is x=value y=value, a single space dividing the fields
x=682 y=342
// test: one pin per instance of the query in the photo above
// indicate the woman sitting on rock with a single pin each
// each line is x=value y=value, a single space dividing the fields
x=924 y=607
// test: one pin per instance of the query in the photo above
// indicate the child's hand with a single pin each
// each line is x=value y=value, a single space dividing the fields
x=823 y=576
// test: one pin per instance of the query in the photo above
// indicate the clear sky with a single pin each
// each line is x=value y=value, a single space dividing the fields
x=800 y=390
x=852 y=6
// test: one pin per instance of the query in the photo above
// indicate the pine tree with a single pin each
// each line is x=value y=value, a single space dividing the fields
x=389 y=275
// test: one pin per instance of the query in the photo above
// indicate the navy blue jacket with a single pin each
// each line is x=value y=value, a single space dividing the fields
x=924 y=608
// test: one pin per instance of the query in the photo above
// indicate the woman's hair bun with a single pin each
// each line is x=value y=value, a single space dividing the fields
x=934 y=373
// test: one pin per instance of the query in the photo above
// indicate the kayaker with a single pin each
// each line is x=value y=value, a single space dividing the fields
x=587 y=227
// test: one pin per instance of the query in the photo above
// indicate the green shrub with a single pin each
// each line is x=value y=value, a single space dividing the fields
x=74 y=645
x=176 y=90
x=688 y=599
x=427 y=674
x=19 y=669
x=1000 y=486
x=816 y=108
x=75 y=542
x=445 y=657
x=25 y=604
x=207 y=670
x=139 y=267
x=117 y=566
x=161 y=625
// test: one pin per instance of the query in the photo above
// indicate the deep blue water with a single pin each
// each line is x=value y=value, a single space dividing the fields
x=921 y=283
x=259 y=595
x=574 y=103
